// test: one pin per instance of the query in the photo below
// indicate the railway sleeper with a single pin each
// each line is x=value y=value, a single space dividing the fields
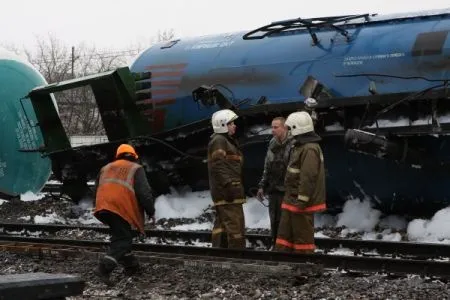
x=40 y=286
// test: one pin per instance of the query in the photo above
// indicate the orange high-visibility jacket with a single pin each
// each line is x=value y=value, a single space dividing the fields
x=115 y=192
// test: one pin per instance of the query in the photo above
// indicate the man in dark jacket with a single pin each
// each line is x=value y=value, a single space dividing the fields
x=305 y=190
x=225 y=163
x=275 y=164
x=122 y=196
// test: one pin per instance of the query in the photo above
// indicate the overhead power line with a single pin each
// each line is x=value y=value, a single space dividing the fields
x=107 y=54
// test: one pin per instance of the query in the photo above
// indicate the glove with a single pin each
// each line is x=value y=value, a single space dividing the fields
x=260 y=194
x=301 y=203
x=141 y=237
x=233 y=191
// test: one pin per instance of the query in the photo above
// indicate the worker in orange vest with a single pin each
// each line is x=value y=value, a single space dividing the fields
x=122 y=195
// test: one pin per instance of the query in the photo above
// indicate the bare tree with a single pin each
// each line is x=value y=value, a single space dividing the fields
x=58 y=62
x=11 y=47
x=52 y=59
x=161 y=36
x=166 y=35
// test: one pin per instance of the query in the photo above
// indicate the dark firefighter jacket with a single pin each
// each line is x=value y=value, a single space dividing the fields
x=122 y=188
x=275 y=165
x=225 y=163
x=305 y=189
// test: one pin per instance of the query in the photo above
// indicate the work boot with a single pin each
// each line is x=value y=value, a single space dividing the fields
x=130 y=264
x=106 y=265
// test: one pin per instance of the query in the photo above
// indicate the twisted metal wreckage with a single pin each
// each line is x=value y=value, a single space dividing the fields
x=376 y=86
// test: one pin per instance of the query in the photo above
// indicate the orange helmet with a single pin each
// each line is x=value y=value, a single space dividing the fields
x=125 y=148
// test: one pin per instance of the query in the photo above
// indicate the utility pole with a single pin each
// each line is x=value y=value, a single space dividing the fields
x=73 y=61
x=72 y=95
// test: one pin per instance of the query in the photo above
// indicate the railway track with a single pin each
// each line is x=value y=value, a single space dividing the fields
x=250 y=260
x=55 y=188
x=325 y=245
x=372 y=256
x=51 y=188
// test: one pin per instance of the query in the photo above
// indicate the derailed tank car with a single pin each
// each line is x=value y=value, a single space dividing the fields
x=375 y=85
x=21 y=171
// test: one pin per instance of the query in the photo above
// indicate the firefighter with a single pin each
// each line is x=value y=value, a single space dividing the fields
x=275 y=164
x=304 y=187
x=122 y=195
x=225 y=163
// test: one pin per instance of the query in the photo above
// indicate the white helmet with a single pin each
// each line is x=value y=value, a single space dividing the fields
x=221 y=118
x=299 y=122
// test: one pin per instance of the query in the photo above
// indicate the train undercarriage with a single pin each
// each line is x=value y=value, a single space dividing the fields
x=409 y=131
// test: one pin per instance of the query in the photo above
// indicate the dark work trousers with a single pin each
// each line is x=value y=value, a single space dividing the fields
x=120 y=242
x=229 y=226
x=296 y=232
x=275 y=200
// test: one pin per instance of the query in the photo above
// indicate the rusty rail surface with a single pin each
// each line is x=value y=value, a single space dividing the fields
x=376 y=247
x=197 y=256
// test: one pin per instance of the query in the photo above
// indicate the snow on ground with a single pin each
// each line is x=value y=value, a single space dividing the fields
x=357 y=219
x=193 y=227
x=49 y=218
x=29 y=196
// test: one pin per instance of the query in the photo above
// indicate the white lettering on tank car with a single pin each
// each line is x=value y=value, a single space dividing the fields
x=214 y=42
x=2 y=168
x=210 y=44
x=26 y=135
x=360 y=59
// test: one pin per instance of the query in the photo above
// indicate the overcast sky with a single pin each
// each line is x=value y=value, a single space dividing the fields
x=119 y=24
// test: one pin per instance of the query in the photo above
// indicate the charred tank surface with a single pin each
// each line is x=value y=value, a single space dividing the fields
x=22 y=168
x=376 y=87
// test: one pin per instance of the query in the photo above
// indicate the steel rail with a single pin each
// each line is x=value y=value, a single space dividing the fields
x=352 y=263
x=51 y=188
x=423 y=250
x=54 y=188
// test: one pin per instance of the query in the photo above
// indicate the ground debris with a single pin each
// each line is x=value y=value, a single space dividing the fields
x=159 y=281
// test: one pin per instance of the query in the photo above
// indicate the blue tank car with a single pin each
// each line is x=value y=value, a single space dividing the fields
x=348 y=55
x=376 y=87
x=377 y=84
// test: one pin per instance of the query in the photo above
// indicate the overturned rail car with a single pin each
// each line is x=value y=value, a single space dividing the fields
x=20 y=170
x=376 y=86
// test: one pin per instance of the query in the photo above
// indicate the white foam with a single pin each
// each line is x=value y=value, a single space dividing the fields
x=359 y=215
x=435 y=230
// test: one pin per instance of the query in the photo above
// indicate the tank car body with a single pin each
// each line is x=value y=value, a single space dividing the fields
x=376 y=86
x=20 y=170
x=355 y=67
x=396 y=53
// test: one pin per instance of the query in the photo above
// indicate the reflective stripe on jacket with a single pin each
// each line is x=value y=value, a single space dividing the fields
x=305 y=189
x=225 y=163
x=115 y=192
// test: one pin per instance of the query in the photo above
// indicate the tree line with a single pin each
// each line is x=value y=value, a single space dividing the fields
x=57 y=61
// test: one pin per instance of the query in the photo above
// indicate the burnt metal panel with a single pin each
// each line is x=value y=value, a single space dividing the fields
x=429 y=43
x=114 y=93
